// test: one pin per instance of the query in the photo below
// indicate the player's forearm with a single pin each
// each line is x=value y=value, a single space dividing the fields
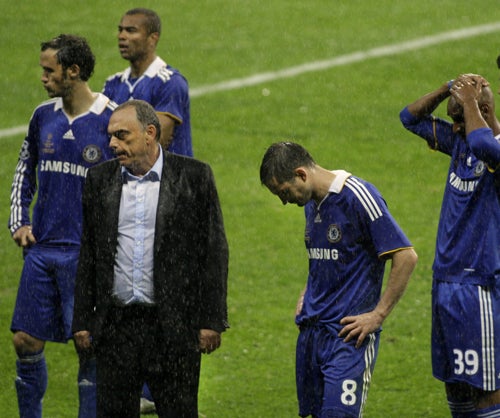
x=429 y=102
x=472 y=115
x=300 y=302
x=403 y=264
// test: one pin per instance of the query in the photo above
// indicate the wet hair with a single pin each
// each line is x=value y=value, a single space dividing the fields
x=146 y=115
x=153 y=21
x=71 y=50
x=280 y=161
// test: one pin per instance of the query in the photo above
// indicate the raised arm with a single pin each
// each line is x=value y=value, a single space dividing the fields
x=426 y=104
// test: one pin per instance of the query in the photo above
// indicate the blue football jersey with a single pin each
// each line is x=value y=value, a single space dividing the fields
x=348 y=237
x=468 y=238
x=53 y=163
x=166 y=89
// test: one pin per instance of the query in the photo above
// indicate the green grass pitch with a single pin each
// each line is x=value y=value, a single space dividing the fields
x=345 y=113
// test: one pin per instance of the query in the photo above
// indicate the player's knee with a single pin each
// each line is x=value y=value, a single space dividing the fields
x=25 y=343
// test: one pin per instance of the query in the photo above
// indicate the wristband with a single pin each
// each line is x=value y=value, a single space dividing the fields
x=450 y=84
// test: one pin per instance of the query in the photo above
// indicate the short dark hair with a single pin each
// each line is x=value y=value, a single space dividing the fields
x=146 y=115
x=153 y=21
x=280 y=161
x=71 y=50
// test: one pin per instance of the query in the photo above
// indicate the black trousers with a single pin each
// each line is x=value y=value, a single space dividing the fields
x=134 y=350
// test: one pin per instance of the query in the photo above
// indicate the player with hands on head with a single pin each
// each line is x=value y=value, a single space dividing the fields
x=349 y=236
x=466 y=267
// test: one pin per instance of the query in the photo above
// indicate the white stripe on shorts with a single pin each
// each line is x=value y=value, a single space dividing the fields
x=487 y=336
x=367 y=376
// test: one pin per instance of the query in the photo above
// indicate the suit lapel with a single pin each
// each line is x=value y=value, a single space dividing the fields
x=166 y=200
x=112 y=193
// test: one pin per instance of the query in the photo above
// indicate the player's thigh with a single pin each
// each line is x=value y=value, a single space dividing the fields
x=65 y=265
x=37 y=303
x=347 y=375
x=466 y=334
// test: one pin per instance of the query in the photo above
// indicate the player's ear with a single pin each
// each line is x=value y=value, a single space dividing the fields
x=155 y=37
x=301 y=173
x=73 y=71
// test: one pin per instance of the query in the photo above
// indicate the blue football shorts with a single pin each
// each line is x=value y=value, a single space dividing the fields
x=466 y=334
x=44 y=304
x=331 y=375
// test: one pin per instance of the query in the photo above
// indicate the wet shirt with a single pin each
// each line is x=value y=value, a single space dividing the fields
x=53 y=162
x=347 y=236
x=468 y=238
x=166 y=89
x=133 y=279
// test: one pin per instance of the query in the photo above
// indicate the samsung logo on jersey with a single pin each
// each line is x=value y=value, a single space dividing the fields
x=323 y=254
x=63 y=167
x=462 y=185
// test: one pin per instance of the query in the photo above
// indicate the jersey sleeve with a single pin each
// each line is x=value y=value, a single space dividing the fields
x=380 y=226
x=24 y=185
x=108 y=89
x=173 y=95
x=437 y=132
x=485 y=146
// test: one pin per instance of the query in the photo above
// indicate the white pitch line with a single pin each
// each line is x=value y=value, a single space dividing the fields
x=13 y=131
x=347 y=59
x=377 y=52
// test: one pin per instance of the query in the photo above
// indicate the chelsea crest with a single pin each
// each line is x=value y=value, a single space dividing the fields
x=91 y=153
x=333 y=233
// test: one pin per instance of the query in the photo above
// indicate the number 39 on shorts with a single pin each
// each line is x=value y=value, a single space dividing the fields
x=466 y=362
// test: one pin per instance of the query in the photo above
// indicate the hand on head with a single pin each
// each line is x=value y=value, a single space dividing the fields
x=474 y=79
x=468 y=86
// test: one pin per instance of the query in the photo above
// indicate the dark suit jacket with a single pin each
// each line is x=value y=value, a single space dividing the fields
x=190 y=251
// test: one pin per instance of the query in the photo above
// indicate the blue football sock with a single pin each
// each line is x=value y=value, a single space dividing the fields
x=462 y=409
x=490 y=412
x=146 y=393
x=87 y=390
x=31 y=383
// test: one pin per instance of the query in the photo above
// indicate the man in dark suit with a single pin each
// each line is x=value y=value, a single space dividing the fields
x=151 y=287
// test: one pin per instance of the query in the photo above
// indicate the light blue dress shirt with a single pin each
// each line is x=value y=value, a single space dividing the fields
x=133 y=279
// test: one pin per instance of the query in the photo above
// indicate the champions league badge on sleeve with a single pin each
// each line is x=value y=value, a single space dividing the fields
x=333 y=233
x=25 y=153
x=92 y=153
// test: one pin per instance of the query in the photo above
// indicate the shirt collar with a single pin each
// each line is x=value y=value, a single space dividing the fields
x=338 y=182
x=99 y=105
x=150 y=72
